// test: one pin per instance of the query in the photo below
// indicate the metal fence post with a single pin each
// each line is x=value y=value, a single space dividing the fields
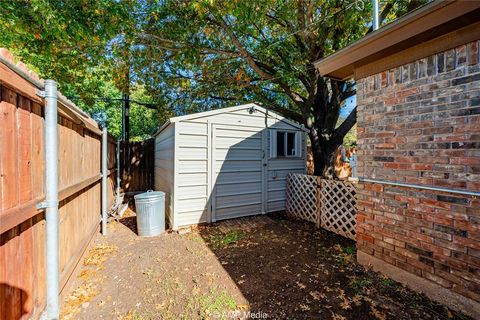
x=119 y=145
x=51 y=199
x=104 y=180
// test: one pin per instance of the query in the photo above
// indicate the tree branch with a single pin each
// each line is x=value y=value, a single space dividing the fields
x=168 y=44
x=243 y=51
x=287 y=113
x=222 y=98
x=346 y=125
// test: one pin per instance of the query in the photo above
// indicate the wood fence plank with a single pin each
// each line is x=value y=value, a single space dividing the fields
x=39 y=240
x=13 y=296
x=26 y=251
x=38 y=161
x=3 y=275
x=24 y=149
x=9 y=154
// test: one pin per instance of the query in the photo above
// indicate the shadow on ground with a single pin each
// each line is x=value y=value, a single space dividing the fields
x=271 y=266
x=292 y=270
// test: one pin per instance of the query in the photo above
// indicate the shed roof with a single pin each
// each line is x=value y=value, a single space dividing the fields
x=426 y=23
x=229 y=109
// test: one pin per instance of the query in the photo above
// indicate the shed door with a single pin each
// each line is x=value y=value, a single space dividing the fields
x=238 y=172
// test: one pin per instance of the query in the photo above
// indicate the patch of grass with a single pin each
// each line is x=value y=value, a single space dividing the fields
x=343 y=255
x=387 y=282
x=351 y=250
x=214 y=304
x=360 y=284
x=226 y=239
x=194 y=237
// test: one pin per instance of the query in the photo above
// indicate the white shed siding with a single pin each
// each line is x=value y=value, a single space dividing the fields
x=164 y=167
x=238 y=150
x=220 y=166
x=192 y=172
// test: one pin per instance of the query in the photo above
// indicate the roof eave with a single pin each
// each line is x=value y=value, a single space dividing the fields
x=341 y=64
x=166 y=124
x=229 y=109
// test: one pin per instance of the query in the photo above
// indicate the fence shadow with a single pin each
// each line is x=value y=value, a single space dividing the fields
x=10 y=295
x=138 y=161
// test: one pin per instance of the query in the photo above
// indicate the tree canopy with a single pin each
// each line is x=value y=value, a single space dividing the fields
x=81 y=45
x=198 y=55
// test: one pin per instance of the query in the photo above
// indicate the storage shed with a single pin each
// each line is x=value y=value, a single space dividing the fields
x=226 y=163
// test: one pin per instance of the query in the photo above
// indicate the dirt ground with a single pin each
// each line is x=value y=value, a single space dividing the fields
x=269 y=266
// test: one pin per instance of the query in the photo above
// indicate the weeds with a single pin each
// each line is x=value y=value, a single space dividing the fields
x=212 y=304
x=387 y=282
x=344 y=255
x=351 y=250
x=360 y=284
x=226 y=239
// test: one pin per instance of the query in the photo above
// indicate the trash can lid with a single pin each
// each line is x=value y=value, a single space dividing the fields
x=150 y=194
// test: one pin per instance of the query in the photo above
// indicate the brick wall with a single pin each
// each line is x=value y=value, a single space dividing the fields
x=420 y=124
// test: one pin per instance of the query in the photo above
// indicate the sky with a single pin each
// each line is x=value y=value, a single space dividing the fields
x=349 y=105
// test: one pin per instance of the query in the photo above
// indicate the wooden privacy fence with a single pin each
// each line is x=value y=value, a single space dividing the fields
x=139 y=166
x=22 y=166
x=329 y=204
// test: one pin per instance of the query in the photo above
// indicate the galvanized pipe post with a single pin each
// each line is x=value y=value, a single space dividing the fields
x=118 y=170
x=104 y=180
x=375 y=15
x=51 y=200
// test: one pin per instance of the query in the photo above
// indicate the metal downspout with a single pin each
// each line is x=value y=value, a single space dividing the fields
x=104 y=180
x=51 y=199
x=375 y=15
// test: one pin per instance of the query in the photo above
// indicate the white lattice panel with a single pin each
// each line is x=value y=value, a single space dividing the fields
x=303 y=198
x=338 y=207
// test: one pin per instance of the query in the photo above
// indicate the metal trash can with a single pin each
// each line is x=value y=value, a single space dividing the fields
x=150 y=207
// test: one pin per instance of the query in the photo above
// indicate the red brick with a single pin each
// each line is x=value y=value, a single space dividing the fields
x=410 y=200
x=435 y=249
x=421 y=237
x=374 y=187
x=406 y=253
x=408 y=92
x=439 y=280
x=384 y=245
x=472 y=53
x=466 y=161
x=394 y=242
x=365 y=237
x=463 y=291
x=385 y=134
x=435 y=203
x=408 y=267
x=470 y=243
x=440 y=231
x=385 y=257
x=385 y=146
x=417 y=264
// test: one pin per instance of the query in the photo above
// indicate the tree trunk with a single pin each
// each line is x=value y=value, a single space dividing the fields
x=323 y=156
